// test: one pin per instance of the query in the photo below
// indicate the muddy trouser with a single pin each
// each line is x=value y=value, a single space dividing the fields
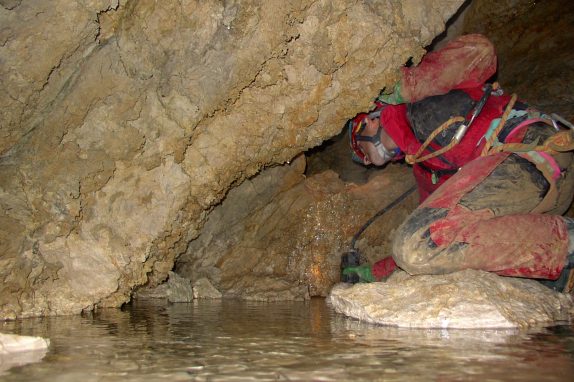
x=480 y=219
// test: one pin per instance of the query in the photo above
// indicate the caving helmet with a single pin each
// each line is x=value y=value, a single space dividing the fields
x=356 y=126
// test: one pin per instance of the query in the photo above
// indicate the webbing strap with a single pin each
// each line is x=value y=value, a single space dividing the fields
x=491 y=139
x=541 y=157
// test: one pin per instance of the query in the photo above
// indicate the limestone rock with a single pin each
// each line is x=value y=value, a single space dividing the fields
x=266 y=288
x=18 y=350
x=123 y=123
x=466 y=299
x=281 y=235
x=203 y=288
x=175 y=289
x=158 y=292
x=12 y=343
x=179 y=289
x=525 y=35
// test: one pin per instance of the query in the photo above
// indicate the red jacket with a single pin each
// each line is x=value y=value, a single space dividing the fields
x=395 y=122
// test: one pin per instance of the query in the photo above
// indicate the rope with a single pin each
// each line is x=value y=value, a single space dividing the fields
x=412 y=159
x=494 y=136
x=560 y=142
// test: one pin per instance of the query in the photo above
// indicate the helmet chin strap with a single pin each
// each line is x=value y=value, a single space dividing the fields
x=381 y=149
x=375 y=139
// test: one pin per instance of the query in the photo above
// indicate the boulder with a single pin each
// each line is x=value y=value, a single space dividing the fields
x=175 y=289
x=16 y=350
x=466 y=299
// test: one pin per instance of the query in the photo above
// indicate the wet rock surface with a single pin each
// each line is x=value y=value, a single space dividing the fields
x=203 y=288
x=12 y=343
x=467 y=299
x=17 y=350
x=175 y=289
x=280 y=236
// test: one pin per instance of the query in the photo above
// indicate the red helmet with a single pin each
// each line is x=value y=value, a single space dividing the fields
x=356 y=126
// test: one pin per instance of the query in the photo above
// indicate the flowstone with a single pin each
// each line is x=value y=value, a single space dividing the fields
x=466 y=299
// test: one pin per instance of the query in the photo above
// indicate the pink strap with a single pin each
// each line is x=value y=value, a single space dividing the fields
x=552 y=162
x=521 y=125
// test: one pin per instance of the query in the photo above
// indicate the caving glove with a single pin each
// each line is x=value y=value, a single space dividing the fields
x=363 y=271
x=369 y=273
x=393 y=98
x=383 y=268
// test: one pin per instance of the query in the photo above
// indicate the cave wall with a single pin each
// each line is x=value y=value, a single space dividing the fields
x=124 y=122
x=281 y=235
x=534 y=41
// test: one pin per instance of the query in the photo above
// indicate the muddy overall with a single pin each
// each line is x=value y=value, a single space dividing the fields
x=487 y=216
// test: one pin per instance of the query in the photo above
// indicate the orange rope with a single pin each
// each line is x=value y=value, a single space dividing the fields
x=560 y=142
x=490 y=141
x=412 y=159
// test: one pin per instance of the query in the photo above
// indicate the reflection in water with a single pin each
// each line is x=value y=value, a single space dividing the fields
x=285 y=341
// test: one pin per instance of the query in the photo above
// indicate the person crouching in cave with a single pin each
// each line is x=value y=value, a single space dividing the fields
x=494 y=175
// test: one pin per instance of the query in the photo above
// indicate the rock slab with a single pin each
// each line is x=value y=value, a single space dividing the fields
x=18 y=350
x=466 y=299
x=203 y=288
x=175 y=289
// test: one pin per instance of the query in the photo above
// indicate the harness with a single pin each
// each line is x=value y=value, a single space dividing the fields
x=457 y=137
x=437 y=174
x=464 y=124
x=541 y=155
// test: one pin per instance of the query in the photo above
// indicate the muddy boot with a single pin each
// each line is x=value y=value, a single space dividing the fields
x=565 y=283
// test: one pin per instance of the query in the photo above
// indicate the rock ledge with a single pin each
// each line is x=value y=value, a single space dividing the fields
x=466 y=299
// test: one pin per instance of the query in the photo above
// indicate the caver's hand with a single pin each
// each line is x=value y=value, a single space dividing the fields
x=363 y=271
x=394 y=97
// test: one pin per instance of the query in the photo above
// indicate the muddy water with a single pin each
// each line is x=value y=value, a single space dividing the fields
x=296 y=341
